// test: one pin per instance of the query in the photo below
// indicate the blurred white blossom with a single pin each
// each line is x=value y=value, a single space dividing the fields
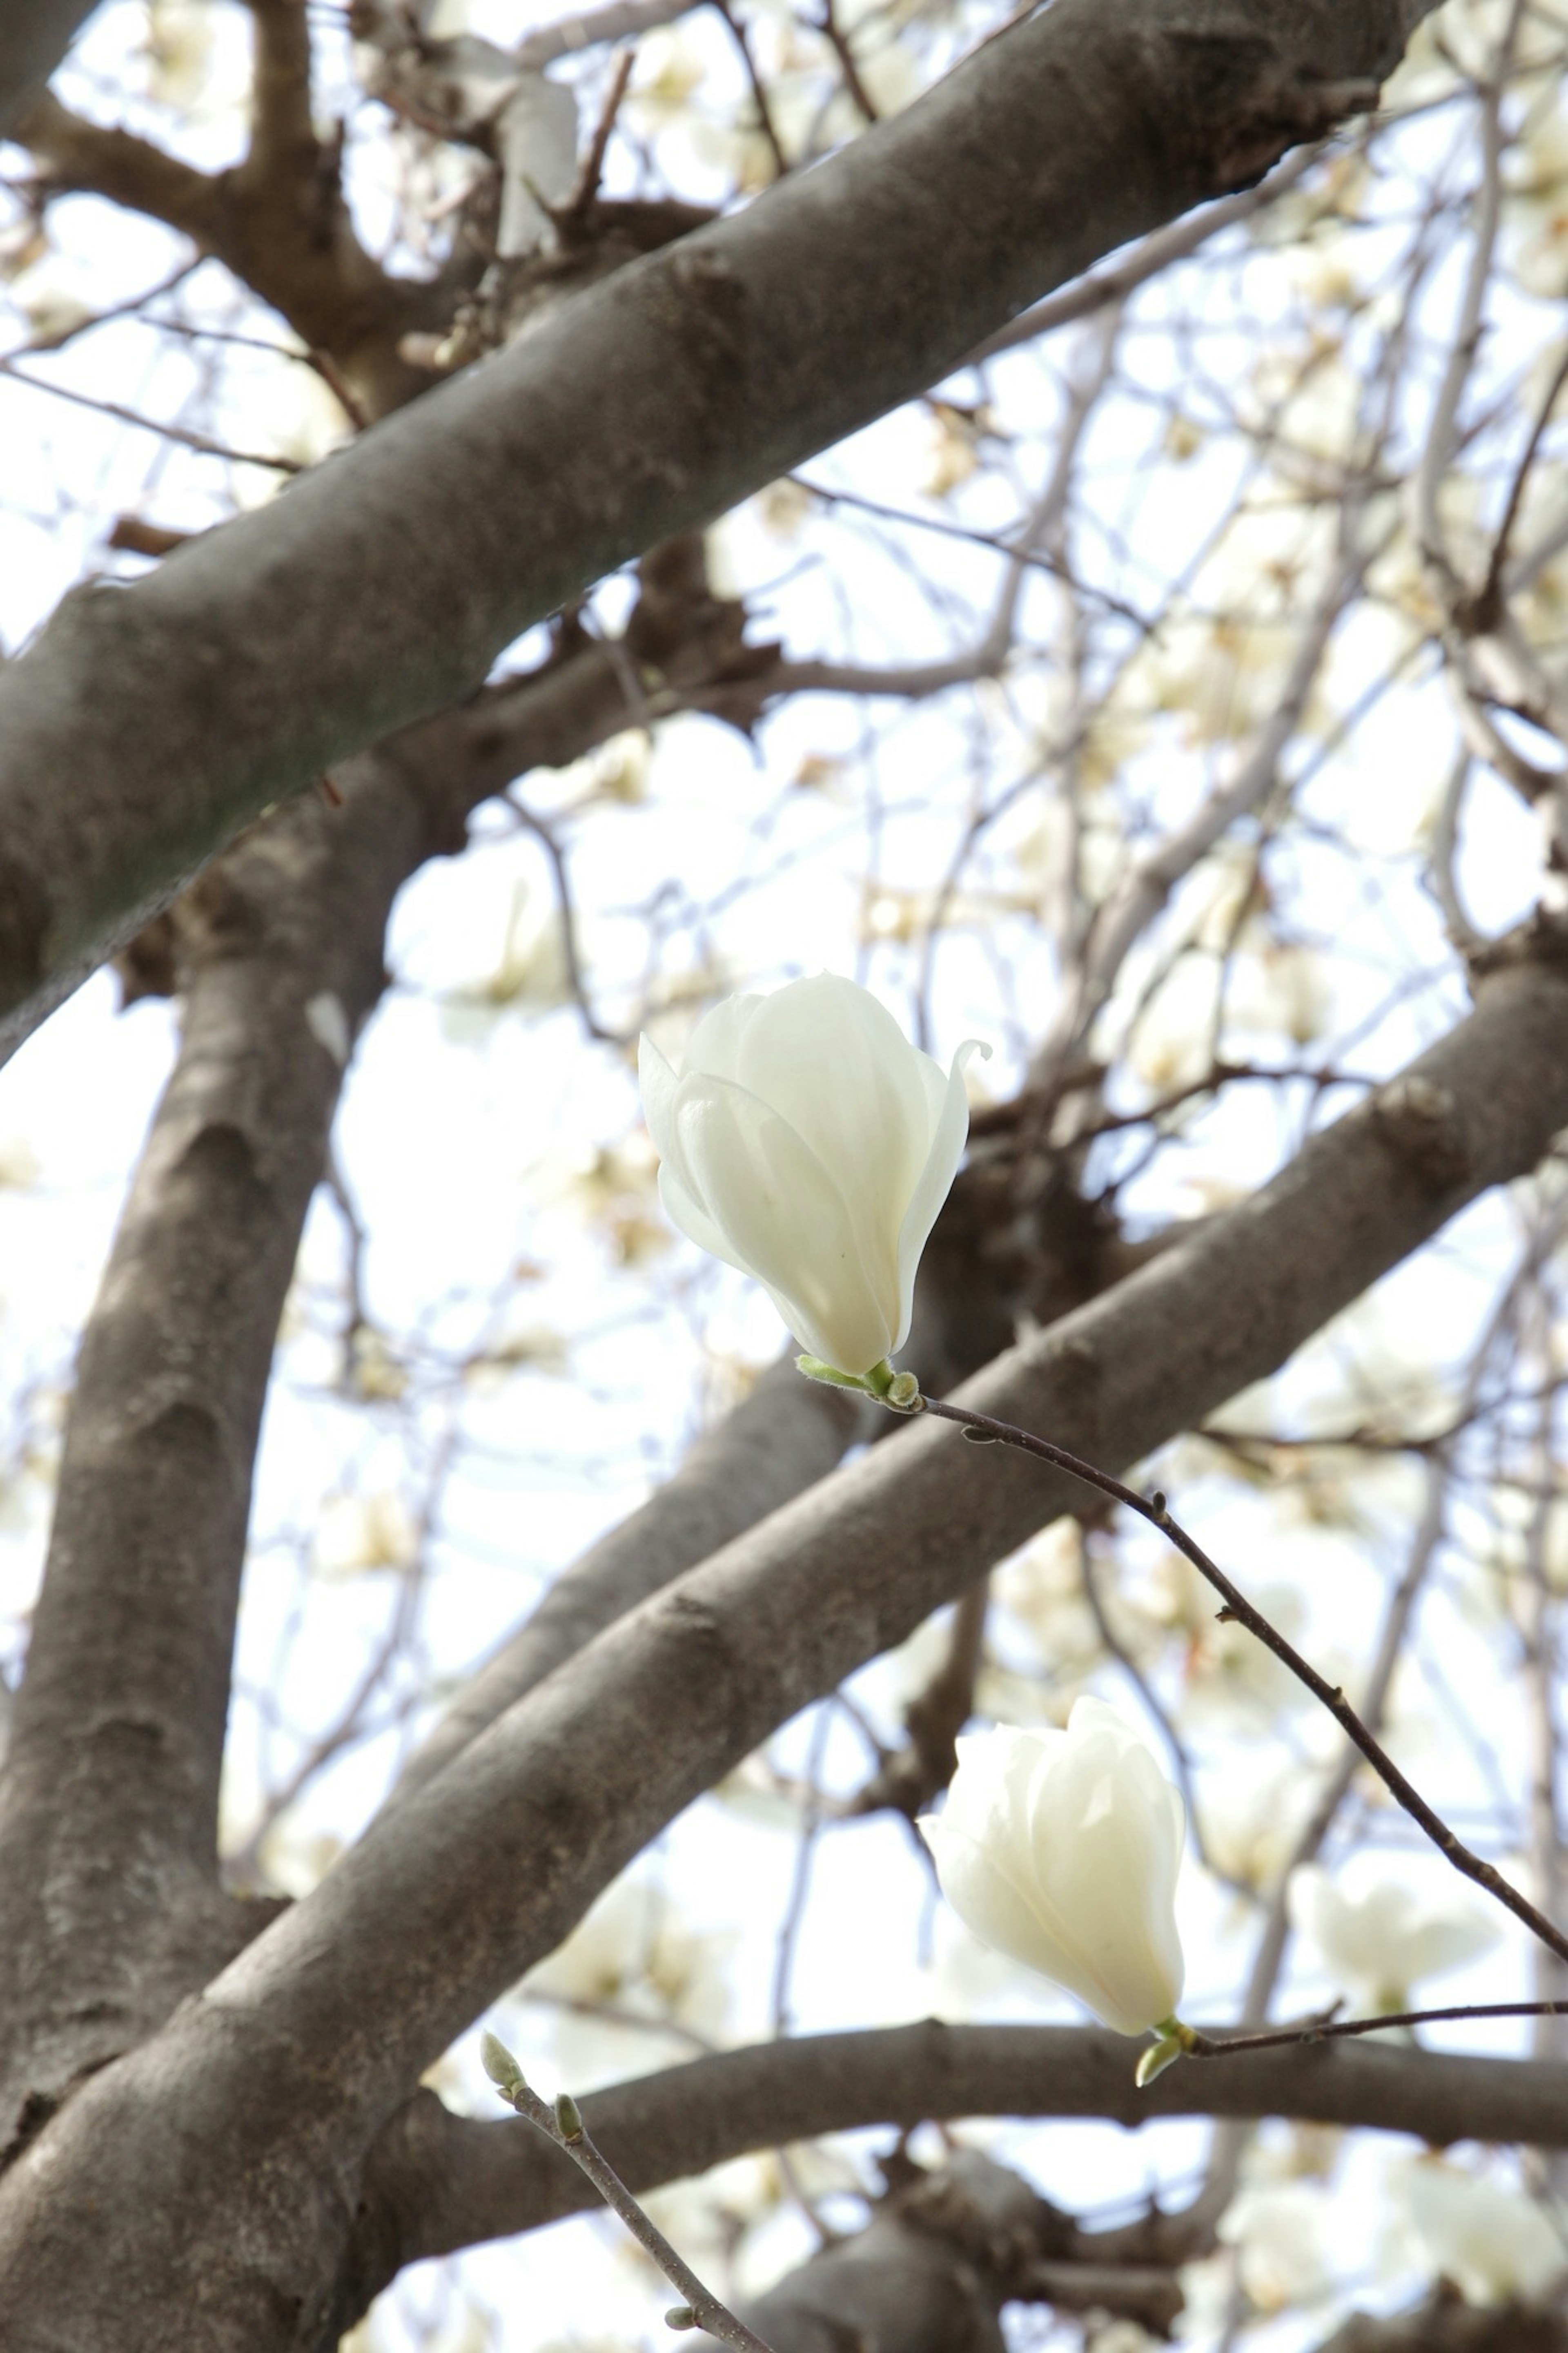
x=1492 y=2242
x=1377 y=1937
x=1281 y=2240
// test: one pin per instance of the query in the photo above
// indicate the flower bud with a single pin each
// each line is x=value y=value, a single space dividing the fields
x=1061 y=1848
x=807 y=1142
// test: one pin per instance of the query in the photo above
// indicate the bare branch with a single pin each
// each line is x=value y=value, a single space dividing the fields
x=717 y=364
x=455 y=2182
x=34 y=36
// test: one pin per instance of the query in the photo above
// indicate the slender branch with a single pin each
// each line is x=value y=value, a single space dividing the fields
x=1204 y=2045
x=617 y=20
x=592 y=163
x=184 y=436
x=1153 y=1509
x=1156 y=253
x=1492 y=587
x=765 y=123
x=1443 y=431
x=837 y=40
x=562 y=2124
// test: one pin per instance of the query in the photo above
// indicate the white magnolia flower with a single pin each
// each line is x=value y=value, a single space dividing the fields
x=1062 y=1849
x=1492 y=2242
x=1377 y=1938
x=807 y=1142
x=1281 y=2239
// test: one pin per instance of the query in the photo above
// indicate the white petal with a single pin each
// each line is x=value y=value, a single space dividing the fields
x=1079 y=1829
x=982 y=1890
x=714 y=1045
x=689 y=1217
x=948 y=1137
x=833 y=1062
x=782 y=1219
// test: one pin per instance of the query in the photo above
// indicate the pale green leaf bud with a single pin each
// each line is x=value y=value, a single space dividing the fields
x=499 y=2063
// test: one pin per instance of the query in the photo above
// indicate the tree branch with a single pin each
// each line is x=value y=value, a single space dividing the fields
x=768 y=1449
x=386 y=583
x=310 y=2040
x=108 y=1799
x=34 y=36
x=439 y=2181
x=277 y=221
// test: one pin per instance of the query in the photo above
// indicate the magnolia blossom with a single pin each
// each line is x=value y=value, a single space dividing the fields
x=1493 y=2243
x=1281 y=2235
x=1379 y=1938
x=807 y=1142
x=1061 y=1848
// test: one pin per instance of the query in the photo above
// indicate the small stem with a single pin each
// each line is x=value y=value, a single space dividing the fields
x=1237 y=1607
x=563 y=2126
x=1322 y=2029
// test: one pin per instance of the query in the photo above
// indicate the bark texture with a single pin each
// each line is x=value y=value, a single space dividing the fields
x=382 y=585
x=440 y=2182
x=109 y=1800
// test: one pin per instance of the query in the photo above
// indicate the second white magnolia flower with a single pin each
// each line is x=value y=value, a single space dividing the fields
x=1062 y=1849
x=807 y=1142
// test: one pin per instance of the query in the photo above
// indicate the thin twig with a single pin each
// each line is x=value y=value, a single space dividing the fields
x=202 y=443
x=1324 y=2030
x=765 y=123
x=1152 y=1508
x=563 y=2126
x=588 y=178
x=833 y=33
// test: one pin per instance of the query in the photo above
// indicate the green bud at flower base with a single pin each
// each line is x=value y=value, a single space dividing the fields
x=680 y=2316
x=568 y=2116
x=898 y=1389
x=1175 y=2042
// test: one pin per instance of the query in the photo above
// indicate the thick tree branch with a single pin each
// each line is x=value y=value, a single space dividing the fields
x=108 y=1799
x=767 y=1450
x=309 y=2041
x=441 y=2181
x=122 y=167
x=385 y=584
x=1445 y=2325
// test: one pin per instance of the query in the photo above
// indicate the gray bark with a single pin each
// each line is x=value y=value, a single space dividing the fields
x=440 y=2182
x=780 y=1441
x=109 y=1798
x=149 y=725
x=216 y=2171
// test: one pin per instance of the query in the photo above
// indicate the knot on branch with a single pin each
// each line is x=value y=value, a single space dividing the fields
x=1420 y=1122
